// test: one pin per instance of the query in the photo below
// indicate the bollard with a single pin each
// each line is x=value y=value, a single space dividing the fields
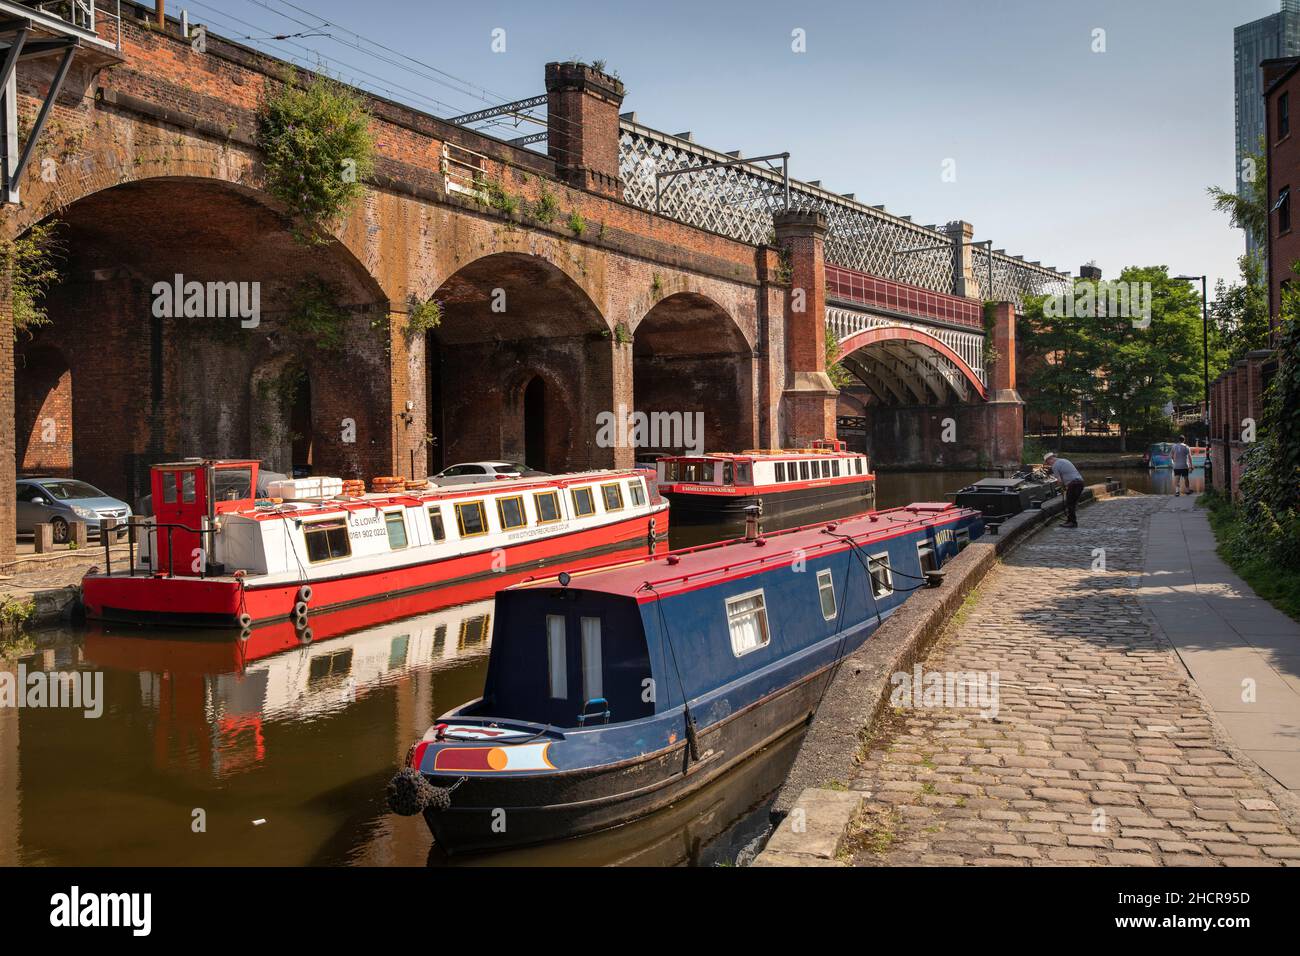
x=78 y=534
x=43 y=538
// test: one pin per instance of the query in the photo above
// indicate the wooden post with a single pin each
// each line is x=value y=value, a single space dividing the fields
x=43 y=536
x=78 y=534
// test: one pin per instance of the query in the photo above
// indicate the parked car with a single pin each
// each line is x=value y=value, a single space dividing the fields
x=60 y=501
x=472 y=471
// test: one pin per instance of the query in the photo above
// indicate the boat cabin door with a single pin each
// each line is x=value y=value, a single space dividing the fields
x=180 y=498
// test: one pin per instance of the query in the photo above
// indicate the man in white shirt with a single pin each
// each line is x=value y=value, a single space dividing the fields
x=1182 y=459
x=1063 y=470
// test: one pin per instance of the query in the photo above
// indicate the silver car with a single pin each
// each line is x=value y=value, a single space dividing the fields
x=60 y=501
x=474 y=471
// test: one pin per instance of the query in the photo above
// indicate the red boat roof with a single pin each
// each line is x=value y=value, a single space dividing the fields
x=756 y=453
x=693 y=567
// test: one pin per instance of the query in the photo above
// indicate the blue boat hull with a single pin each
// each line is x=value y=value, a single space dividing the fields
x=495 y=814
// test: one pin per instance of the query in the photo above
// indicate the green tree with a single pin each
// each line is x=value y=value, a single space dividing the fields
x=1144 y=360
x=1239 y=320
x=839 y=375
x=1058 y=358
x=1248 y=211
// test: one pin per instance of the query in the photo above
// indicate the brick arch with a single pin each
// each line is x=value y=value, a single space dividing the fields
x=509 y=317
x=926 y=373
x=690 y=357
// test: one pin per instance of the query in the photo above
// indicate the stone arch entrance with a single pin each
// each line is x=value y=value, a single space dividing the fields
x=169 y=367
x=689 y=357
x=519 y=367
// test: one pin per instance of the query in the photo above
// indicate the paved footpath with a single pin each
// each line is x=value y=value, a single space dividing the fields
x=1243 y=653
x=1102 y=750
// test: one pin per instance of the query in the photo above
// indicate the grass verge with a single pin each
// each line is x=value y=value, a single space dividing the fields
x=1278 y=585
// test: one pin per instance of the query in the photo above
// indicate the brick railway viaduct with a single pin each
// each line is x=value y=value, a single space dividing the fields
x=156 y=175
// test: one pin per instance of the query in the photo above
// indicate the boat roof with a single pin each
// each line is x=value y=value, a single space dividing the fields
x=300 y=507
x=752 y=453
x=691 y=568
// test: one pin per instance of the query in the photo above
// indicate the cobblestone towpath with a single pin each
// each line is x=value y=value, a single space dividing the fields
x=1102 y=751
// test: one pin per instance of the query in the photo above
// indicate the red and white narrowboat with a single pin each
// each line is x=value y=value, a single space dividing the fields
x=781 y=481
x=214 y=555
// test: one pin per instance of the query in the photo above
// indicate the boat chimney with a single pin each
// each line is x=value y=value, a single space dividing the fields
x=752 y=514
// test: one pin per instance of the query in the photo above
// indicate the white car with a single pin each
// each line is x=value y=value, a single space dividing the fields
x=473 y=471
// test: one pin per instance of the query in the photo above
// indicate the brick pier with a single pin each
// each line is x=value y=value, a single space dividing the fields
x=1102 y=750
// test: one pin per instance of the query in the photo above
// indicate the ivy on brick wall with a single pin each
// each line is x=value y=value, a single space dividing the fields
x=31 y=263
x=318 y=149
x=315 y=315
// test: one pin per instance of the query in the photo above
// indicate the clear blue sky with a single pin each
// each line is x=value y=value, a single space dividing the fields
x=1062 y=154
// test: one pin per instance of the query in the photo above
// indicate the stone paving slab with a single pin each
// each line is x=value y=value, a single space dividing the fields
x=1102 y=751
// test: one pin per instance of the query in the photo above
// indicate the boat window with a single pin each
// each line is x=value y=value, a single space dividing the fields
x=547 y=504
x=327 y=539
x=826 y=468
x=471 y=519
x=744 y=473
x=857 y=464
x=511 y=512
x=435 y=522
x=187 y=487
x=169 y=487
x=557 y=661
x=747 y=621
x=613 y=496
x=591 y=666
x=637 y=493
x=474 y=631
x=583 y=503
x=395 y=524
x=962 y=537
x=925 y=553
x=780 y=471
x=882 y=577
x=835 y=468
x=803 y=470
x=826 y=591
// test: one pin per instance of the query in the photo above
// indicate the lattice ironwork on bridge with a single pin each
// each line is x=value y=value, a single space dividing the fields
x=739 y=201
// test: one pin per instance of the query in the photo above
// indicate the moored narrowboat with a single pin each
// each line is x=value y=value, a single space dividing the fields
x=611 y=693
x=212 y=555
x=722 y=485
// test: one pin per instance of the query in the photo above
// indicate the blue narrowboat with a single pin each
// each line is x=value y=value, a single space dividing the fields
x=613 y=692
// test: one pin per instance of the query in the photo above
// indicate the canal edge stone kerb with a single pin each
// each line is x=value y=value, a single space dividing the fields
x=860 y=693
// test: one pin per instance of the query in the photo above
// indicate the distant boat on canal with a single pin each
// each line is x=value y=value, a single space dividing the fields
x=779 y=481
x=613 y=692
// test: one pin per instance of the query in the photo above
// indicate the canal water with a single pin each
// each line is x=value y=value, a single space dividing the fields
x=210 y=751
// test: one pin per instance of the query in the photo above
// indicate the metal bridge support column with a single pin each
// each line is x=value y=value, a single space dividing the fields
x=583 y=131
x=809 y=397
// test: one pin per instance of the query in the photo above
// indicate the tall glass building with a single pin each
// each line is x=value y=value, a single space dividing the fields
x=1263 y=39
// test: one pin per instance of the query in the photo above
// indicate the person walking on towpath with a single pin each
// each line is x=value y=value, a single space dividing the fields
x=1182 y=459
x=1063 y=470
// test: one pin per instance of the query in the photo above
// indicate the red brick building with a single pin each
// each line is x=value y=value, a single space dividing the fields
x=1282 y=145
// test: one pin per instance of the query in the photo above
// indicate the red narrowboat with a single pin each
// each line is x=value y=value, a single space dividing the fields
x=780 y=481
x=215 y=555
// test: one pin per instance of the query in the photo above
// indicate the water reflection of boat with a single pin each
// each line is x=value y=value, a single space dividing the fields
x=214 y=697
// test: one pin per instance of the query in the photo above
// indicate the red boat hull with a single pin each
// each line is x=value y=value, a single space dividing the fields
x=223 y=602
